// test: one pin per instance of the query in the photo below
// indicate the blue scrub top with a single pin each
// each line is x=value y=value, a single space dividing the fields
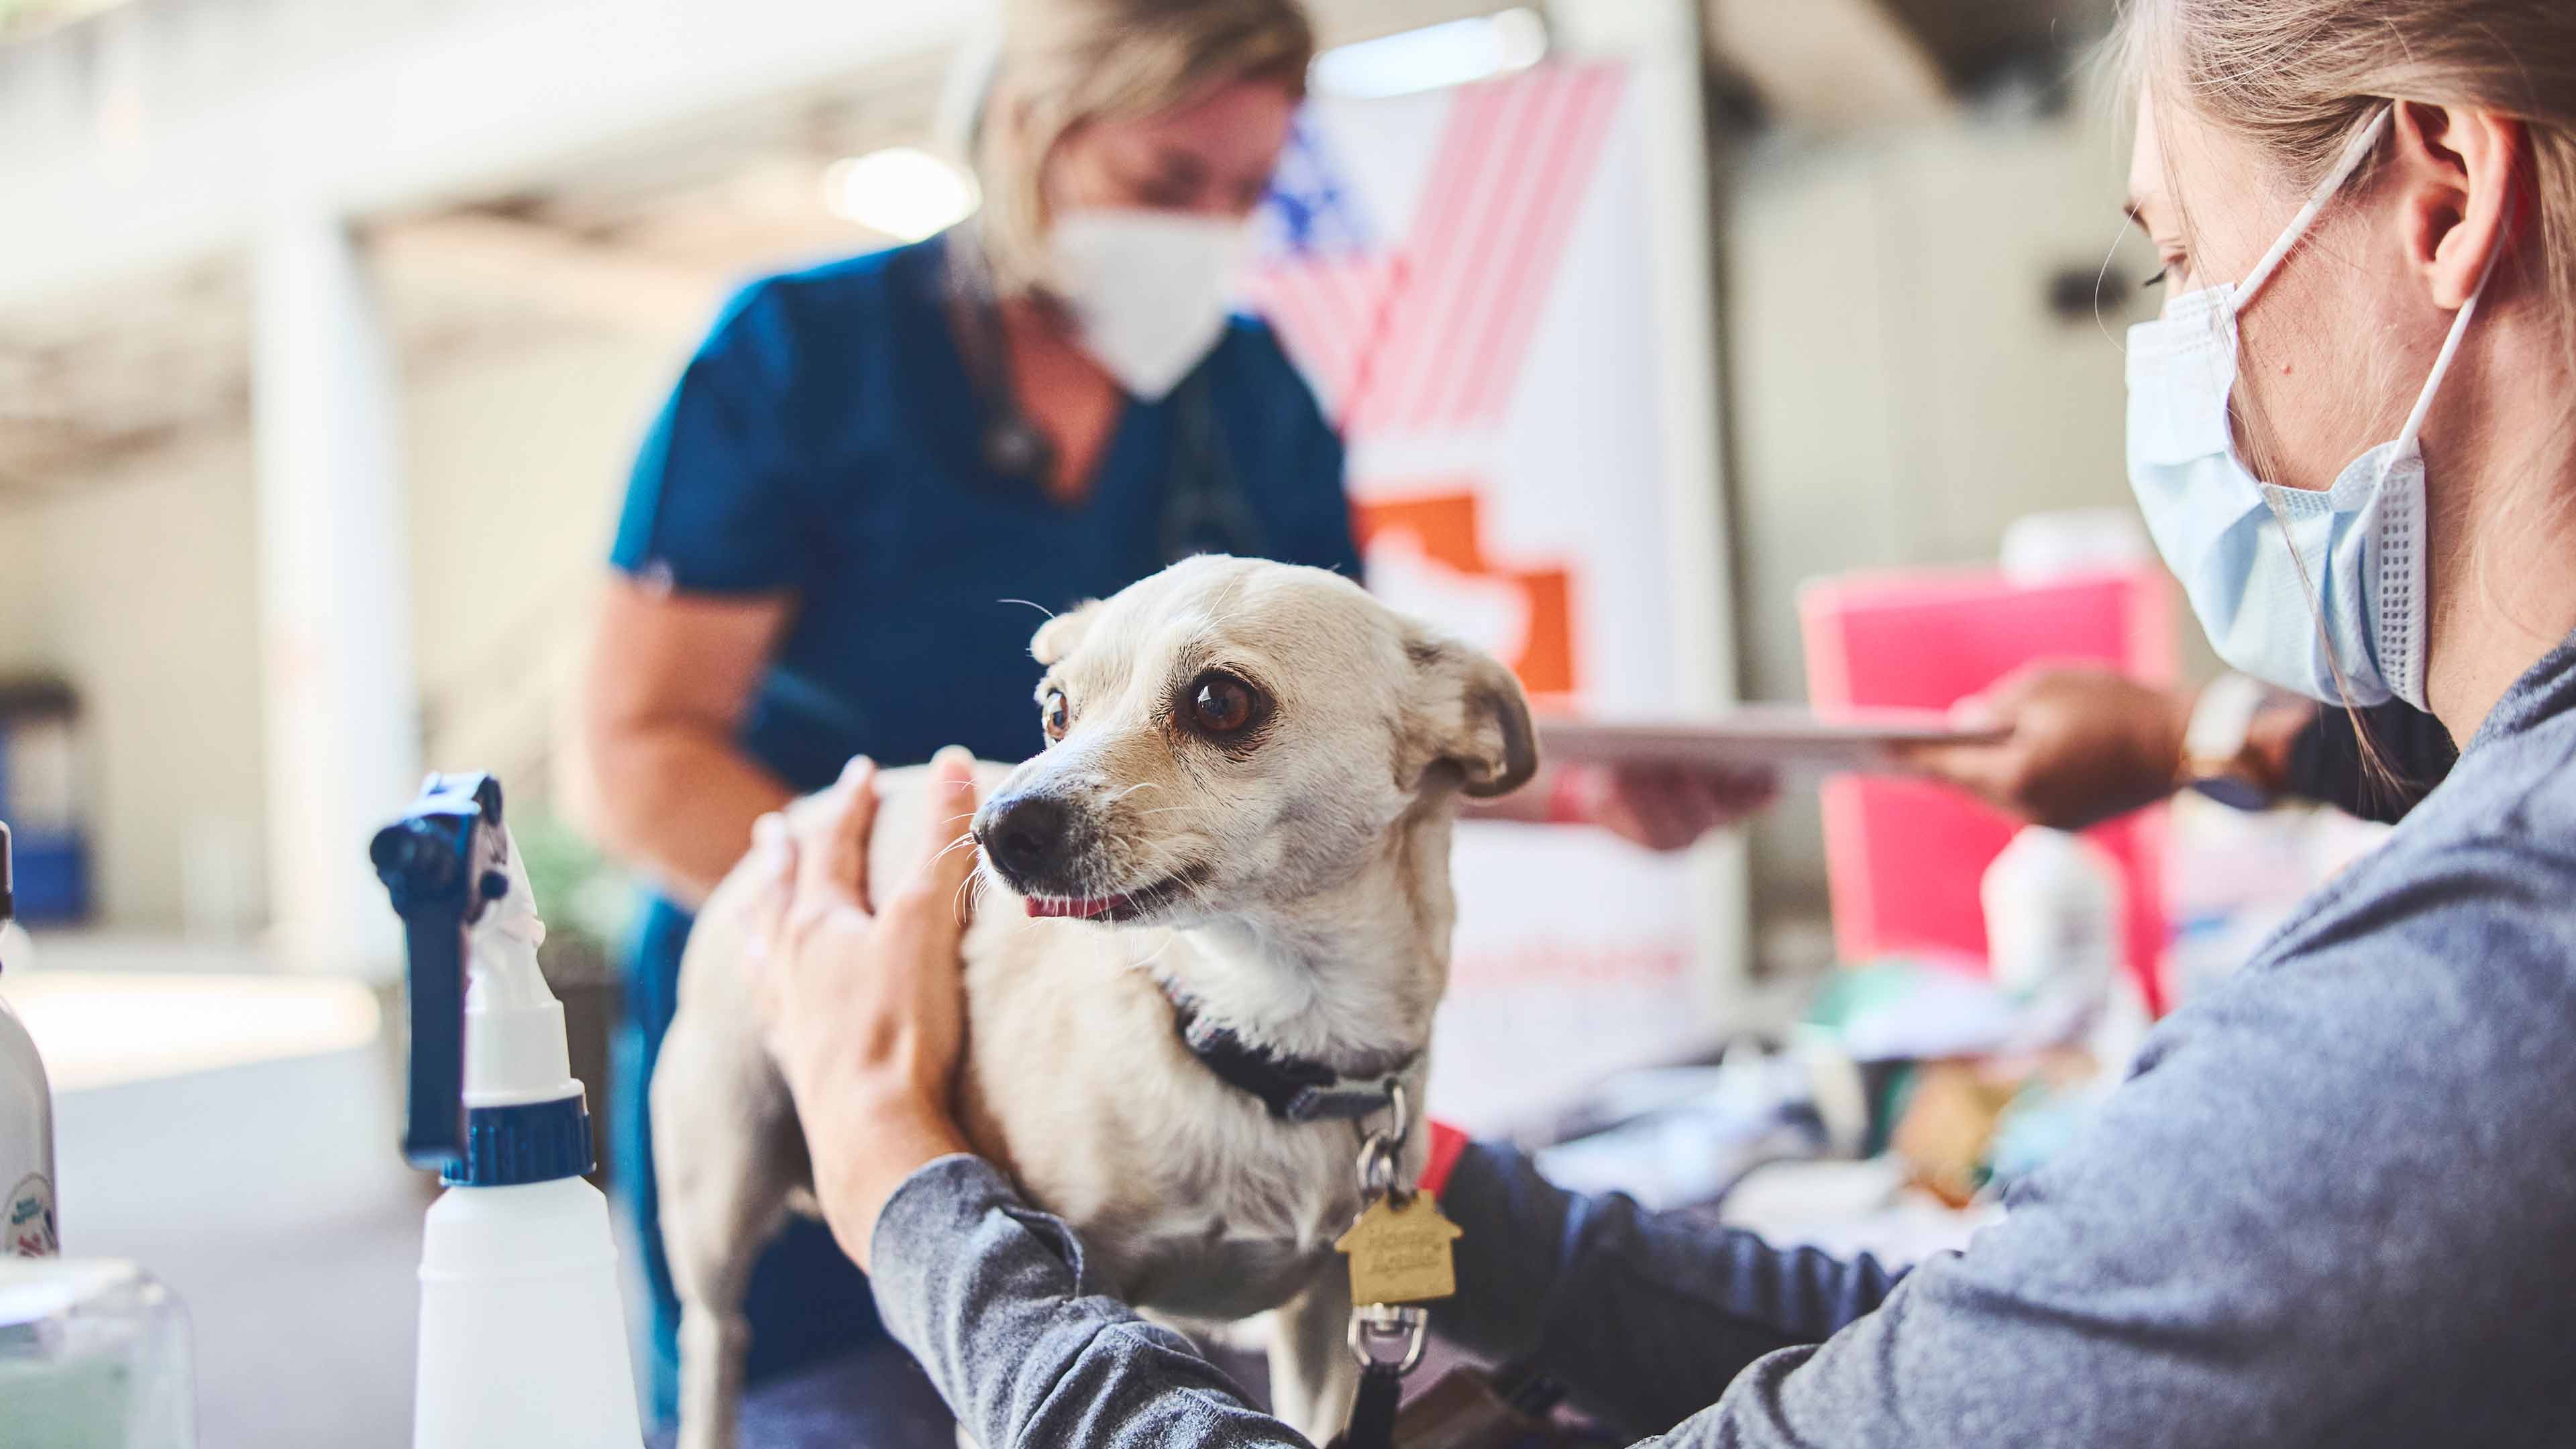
x=826 y=442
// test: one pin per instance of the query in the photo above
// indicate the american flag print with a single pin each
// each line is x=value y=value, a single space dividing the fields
x=1426 y=332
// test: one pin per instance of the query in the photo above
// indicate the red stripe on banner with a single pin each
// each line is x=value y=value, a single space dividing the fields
x=1323 y=311
x=1379 y=302
x=1470 y=236
x=1332 y=284
x=1277 y=296
x=1508 y=235
x=1434 y=332
x=1408 y=342
x=1494 y=363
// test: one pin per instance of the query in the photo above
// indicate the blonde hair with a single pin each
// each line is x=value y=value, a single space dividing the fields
x=1062 y=63
x=2300 y=78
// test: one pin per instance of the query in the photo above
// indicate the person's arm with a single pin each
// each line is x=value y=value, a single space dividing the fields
x=2082 y=744
x=669 y=677
x=2324 y=759
x=713 y=547
x=2079 y=745
x=1646 y=1317
x=1663 y=808
x=989 y=1295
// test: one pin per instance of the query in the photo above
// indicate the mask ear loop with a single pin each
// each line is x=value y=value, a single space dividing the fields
x=2459 y=329
x=2350 y=162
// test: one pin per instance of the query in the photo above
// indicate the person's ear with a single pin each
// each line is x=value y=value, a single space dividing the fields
x=1474 y=718
x=1060 y=635
x=2456 y=168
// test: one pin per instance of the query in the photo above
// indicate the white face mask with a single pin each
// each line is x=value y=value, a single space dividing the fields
x=2249 y=553
x=1148 y=289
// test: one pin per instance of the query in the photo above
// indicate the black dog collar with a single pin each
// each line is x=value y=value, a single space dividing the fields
x=1295 y=1089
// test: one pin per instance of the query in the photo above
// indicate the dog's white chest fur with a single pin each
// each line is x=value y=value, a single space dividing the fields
x=1188 y=1195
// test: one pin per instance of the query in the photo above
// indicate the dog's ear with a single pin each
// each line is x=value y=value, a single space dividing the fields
x=1062 y=633
x=1476 y=714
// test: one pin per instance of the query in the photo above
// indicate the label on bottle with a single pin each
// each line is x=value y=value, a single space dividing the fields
x=27 y=1220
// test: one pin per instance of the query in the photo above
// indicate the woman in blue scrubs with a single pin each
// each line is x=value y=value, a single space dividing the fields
x=873 y=472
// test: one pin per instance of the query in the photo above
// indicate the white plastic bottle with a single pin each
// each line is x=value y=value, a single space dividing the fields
x=2053 y=913
x=522 y=1332
x=28 y=1228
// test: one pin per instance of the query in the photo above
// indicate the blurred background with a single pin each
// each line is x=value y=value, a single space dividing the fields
x=329 y=329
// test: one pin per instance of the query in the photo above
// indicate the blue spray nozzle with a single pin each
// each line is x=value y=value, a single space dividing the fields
x=431 y=861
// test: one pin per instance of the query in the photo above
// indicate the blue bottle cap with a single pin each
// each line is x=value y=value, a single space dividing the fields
x=529 y=1142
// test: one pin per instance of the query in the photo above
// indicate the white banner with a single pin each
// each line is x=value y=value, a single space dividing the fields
x=1465 y=278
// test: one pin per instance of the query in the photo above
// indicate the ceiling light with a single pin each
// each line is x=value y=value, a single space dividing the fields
x=903 y=191
x=1451 y=53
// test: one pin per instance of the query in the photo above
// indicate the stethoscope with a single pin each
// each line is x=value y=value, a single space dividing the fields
x=1204 y=510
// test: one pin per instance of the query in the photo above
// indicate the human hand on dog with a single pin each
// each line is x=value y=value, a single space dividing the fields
x=862 y=1003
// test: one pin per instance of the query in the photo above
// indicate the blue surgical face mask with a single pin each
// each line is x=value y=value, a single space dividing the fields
x=2263 y=564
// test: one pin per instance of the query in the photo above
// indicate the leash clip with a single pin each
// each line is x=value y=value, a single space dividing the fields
x=1398 y=1248
x=1385 y=1324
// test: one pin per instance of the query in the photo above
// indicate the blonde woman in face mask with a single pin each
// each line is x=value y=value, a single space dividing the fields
x=872 y=470
x=2335 y=1201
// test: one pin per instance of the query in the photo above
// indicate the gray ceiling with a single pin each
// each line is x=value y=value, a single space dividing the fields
x=655 y=229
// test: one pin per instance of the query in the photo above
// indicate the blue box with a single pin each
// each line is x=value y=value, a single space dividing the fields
x=52 y=880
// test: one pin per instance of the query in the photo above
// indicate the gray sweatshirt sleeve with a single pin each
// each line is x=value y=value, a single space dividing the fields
x=988 y=1294
x=1649 y=1316
x=1646 y=1317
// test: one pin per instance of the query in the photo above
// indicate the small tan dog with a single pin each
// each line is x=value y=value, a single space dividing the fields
x=1214 y=925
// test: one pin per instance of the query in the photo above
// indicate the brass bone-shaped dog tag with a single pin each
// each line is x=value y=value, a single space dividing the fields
x=1401 y=1254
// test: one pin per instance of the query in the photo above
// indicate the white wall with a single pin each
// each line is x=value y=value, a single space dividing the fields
x=516 y=462
x=21 y=596
x=146 y=603
x=1901 y=389
x=139 y=584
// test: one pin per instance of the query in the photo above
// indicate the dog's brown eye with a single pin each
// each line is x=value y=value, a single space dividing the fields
x=1054 y=713
x=1221 y=704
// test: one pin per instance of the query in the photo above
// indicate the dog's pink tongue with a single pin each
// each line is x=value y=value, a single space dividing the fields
x=1081 y=909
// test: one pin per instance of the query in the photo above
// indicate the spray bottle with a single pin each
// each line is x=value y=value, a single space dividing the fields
x=27 y=1228
x=522 y=1338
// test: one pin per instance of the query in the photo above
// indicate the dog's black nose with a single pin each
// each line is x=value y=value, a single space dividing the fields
x=1026 y=834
